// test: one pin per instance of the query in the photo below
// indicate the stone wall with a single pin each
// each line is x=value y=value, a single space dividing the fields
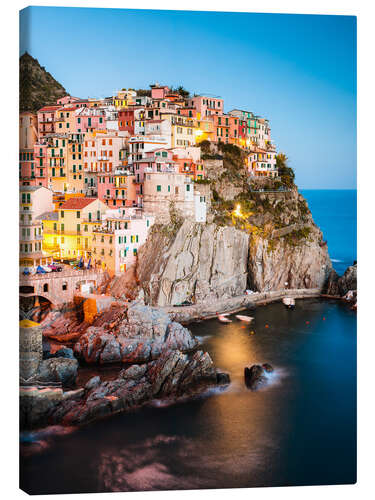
x=30 y=349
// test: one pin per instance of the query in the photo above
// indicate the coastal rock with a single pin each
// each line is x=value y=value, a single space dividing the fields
x=62 y=352
x=341 y=285
x=222 y=378
x=172 y=375
x=58 y=370
x=348 y=280
x=143 y=336
x=267 y=367
x=255 y=377
x=93 y=383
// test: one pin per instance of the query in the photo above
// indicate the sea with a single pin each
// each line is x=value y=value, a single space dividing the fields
x=300 y=429
x=335 y=212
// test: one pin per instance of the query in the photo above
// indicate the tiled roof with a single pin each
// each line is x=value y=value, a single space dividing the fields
x=77 y=203
x=50 y=108
x=48 y=216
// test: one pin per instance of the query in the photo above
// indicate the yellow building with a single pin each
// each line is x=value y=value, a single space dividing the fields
x=124 y=98
x=57 y=157
x=203 y=129
x=65 y=121
x=69 y=234
x=75 y=173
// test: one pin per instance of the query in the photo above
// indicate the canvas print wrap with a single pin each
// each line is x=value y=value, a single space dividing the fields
x=187 y=249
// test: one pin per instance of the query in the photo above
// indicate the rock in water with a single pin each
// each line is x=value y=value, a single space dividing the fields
x=255 y=377
x=268 y=368
x=222 y=378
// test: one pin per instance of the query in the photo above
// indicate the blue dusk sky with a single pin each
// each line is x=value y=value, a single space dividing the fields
x=299 y=71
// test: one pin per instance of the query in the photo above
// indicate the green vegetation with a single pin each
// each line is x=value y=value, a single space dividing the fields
x=202 y=181
x=37 y=87
x=285 y=173
x=181 y=91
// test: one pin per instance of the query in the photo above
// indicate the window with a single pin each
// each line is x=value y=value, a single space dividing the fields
x=78 y=215
x=158 y=188
x=187 y=187
x=78 y=228
x=62 y=214
x=45 y=287
x=65 y=286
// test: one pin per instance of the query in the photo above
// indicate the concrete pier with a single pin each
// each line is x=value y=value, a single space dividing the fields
x=186 y=314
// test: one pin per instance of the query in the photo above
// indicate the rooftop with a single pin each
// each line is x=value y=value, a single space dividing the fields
x=48 y=216
x=77 y=203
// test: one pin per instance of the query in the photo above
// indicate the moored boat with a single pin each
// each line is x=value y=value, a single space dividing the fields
x=241 y=317
x=224 y=319
x=289 y=302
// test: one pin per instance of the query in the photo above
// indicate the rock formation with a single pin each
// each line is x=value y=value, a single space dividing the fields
x=141 y=337
x=273 y=242
x=203 y=260
x=173 y=374
x=160 y=359
x=341 y=285
x=255 y=376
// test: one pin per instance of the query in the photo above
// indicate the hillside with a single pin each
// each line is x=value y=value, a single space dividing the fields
x=37 y=87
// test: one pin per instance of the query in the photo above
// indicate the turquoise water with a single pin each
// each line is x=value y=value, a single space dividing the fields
x=335 y=212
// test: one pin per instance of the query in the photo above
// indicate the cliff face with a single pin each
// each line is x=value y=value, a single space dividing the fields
x=272 y=242
x=203 y=261
x=38 y=88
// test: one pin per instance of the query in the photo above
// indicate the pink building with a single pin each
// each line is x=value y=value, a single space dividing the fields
x=89 y=119
x=117 y=189
x=103 y=152
x=159 y=160
x=159 y=91
x=46 y=120
x=207 y=106
x=68 y=99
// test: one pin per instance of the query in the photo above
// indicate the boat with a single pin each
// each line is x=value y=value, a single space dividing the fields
x=248 y=319
x=224 y=319
x=289 y=302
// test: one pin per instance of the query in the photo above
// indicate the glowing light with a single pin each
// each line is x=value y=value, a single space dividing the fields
x=237 y=212
x=198 y=133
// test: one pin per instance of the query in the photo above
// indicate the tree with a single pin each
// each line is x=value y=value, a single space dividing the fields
x=285 y=172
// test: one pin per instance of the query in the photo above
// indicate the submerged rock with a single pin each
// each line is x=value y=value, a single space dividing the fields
x=255 y=377
x=222 y=378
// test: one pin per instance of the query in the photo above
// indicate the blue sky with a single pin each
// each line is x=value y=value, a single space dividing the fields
x=299 y=71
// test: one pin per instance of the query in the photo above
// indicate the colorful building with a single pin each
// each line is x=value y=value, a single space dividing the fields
x=117 y=189
x=34 y=200
x=72 y=230
x=46 y=120
x=116 y=242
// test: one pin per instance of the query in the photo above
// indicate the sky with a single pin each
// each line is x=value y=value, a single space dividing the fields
x=299 y=71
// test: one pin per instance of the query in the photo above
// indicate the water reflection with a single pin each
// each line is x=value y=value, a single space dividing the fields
x=299 y=429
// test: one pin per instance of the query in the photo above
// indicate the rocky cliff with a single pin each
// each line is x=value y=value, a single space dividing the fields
x=260 y=235
x=274 y=243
